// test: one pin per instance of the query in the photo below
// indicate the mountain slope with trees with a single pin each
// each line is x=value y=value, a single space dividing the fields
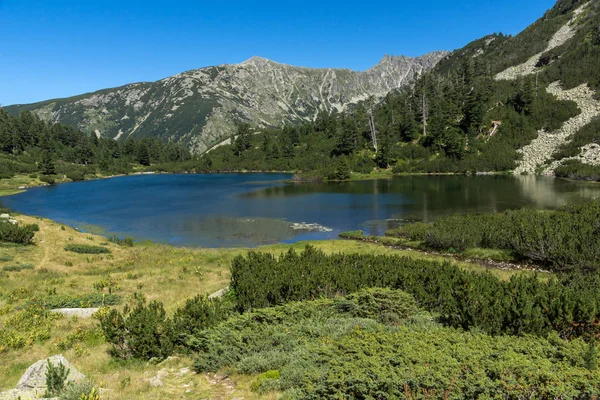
x=200 y=108
x=474 y=112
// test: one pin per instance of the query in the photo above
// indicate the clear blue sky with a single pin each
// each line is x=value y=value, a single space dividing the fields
x=60 y=48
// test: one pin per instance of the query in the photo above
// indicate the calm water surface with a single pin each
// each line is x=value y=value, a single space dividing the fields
x=252 y=209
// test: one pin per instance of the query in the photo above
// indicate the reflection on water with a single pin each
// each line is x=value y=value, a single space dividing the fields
x=252 y=209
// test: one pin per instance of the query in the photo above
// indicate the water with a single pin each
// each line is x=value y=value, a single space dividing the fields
x=253 y=209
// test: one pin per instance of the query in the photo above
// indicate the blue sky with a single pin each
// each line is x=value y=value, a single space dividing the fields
x=60 y=48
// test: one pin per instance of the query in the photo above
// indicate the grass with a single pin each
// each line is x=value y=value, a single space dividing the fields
x=161 y=272
x=376 y=174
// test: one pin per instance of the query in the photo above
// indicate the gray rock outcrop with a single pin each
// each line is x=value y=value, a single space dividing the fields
x=32 y=384
x=541 y=149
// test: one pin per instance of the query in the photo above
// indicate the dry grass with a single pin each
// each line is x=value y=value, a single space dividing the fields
x=161 y=272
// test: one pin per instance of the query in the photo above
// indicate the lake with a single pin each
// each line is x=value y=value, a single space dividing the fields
x=229 y=210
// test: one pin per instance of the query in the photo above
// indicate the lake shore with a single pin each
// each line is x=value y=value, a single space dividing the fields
x=161 y=272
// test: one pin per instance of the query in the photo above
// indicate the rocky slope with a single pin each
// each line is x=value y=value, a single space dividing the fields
x=201 y=107
x=537 y=156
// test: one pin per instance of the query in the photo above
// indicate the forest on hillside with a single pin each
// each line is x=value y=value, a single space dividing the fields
x=29 y=145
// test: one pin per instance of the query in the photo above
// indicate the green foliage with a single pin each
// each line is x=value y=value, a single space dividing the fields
x=17 y=234
x=47 y=165
x=126 y=241
x=79 y=391
x=341 y=348
x=523 y=305
x=413 y=231
x=590 y=357
x=26 y=326
x=29 y=145
x=56 y=377
x=352 y=234
x=142 y=332
x=199 y=313
x=87 y=249
x=575 y=169
x=590 y=133
x=49 y=179
x=565 y=239
x=17 y=267
x=145 y=332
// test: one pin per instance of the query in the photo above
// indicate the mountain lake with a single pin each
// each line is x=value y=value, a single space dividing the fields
x=232 y=210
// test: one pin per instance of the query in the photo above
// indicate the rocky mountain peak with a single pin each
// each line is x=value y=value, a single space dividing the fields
x=202 y=107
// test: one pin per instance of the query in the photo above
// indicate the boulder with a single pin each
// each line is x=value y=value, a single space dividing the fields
x=4 y=216
x=35 y=376
x=78 y=312
x=32 y=384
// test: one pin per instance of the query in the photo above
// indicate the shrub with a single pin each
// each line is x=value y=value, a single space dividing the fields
x=26 y=326
x=17 y=268
x=142 y=332
x=568 y=304
x=352 y=234
x=126 y=241
x=49 y=179
x=79 y=391
x=17 y=234
x=56 y=378
x=86 y=249
x=413 y=231
x=318 y=350
x=199 y=313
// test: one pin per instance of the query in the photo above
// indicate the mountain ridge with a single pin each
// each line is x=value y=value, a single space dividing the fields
x=201 y=107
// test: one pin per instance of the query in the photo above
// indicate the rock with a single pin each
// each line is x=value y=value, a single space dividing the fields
x=182 y=372
x=541 y=149
x=4 y=216
x=561 y=36
x=13 y=221
x=78 y=312
x=35 y=376
x=32 y=384
x=219 y=293
x=156 y=381
x=22 y=187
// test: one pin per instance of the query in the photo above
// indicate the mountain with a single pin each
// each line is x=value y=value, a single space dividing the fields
x=527 y=103
x=201 y=108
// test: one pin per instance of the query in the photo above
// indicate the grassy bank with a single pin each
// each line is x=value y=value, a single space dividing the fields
x=46 y=272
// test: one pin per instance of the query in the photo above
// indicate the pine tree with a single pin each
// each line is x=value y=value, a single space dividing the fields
x=47 y=165
x=143 y=155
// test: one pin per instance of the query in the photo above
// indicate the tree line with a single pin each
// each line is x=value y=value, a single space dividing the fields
x=30 y=145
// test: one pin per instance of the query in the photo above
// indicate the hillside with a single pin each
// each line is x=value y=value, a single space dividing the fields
x=201 y=108
x=526 y=104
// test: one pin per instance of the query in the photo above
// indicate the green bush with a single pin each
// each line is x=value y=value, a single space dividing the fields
x=413 y=231
x=17 y=234
x=17 y=267
x=126 y=241
x=575 y=169
x=199 y=313
x=142 y=332
x=323 y=349
x=566 y=239
x=86 y=249
x=523 y=305
x=56 y=377
x=351 y=234
x=78 y=391
x=49 y=179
